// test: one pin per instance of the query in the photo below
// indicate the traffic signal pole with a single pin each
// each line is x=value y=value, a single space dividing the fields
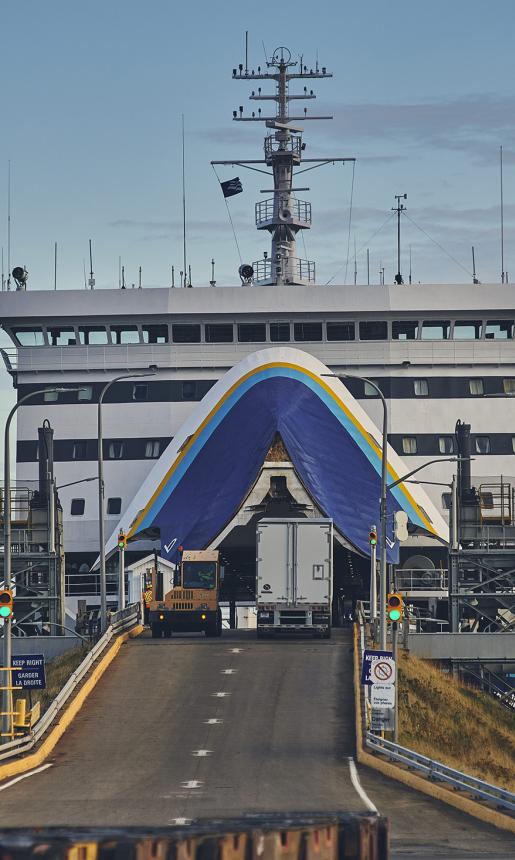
x=373 y=578
x=121 y=573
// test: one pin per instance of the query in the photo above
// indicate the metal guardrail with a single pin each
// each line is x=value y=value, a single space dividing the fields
x=122 y=620
x=438 y=772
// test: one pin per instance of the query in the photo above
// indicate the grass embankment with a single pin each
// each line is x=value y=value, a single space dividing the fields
x=454 y=723
x=57 y=672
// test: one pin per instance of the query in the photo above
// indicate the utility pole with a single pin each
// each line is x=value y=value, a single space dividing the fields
x=399 y=209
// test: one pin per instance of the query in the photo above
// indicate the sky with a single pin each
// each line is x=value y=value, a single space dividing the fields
x=92 y=99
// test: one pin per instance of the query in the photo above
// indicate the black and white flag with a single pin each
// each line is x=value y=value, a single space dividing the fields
x=231 y=187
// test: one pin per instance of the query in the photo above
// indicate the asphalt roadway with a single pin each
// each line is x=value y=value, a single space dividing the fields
x=193 y=728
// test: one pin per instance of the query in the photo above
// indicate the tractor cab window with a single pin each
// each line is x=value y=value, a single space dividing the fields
x=199 y=574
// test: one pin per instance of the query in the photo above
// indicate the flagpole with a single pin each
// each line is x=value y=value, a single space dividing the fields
x=183 y=203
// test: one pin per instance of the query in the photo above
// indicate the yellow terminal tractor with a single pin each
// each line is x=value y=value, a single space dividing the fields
x=193 y=604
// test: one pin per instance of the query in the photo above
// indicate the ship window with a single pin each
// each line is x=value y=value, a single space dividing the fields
x=85 y=393
x=499 y=330
x=409 y=445
x=307 y=331
x=369 y=390
x=29 y=336
x=446 y=501
x=509 y=385
x=421 y=387
x=476 y=387
x=114 y=505
x=513 y=444
x=446 y=444
x=115 y=450
x=373 y=330
x=152 y=449
x=124 y=334
x=93 y=335
x=189 y=390
x=61 y=336
x=404 y=330
x=186 y=333
x=219 y=332
x=340 y=331
x=140 y=391
x=50 y=396
x=482 y=444
x=155 y=333
x=279 y=332
x=467 y=329
x=435 y=329
x=77 y=507
x=79 y=450
x=252 y=332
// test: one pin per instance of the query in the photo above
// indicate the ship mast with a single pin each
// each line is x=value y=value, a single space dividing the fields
x=283 y=215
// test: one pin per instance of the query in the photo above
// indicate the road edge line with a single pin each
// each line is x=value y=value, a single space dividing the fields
x=411 y=780
x=34 y=759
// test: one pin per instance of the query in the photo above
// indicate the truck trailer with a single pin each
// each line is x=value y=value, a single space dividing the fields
x=294 y=576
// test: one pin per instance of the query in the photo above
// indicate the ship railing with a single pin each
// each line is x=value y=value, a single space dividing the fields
x=82 y=584
x=421 y=580
x=488 y=537
x=297 y=211
x=294 y=271
x=293 y=146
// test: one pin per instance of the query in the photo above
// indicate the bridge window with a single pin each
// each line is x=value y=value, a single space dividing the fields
x=482 y=444
x=93 y=335
x=446 y=444
x=189 y=390
x=77 y=507
x=152 y=449
x=373 y=330
x=421 y=387
x=251 y=332
x=115 y=449
x=509 y=385
x=341 y=331
x=121 y=334
x=140 y=391
x=114 y=506
x=476 y=387
x=369 y=390
x=51 y=396
x=405 y=330
x=61 y=336
x=182 y=333
x=409 y=445
x=307 y=331
x=280 y=332
x=154 y=333
x=435 y=329
x=446 y=501
x=467 y=329
x=85 y=393
x=79 y=450
x=499 y=330
x=29 y=336
x=219 y=332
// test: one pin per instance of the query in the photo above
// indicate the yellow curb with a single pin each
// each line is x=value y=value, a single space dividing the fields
x=393 y=771
x=34 y=759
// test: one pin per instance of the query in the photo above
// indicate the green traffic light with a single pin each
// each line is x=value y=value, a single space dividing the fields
x=394 y=614
x=5 y=611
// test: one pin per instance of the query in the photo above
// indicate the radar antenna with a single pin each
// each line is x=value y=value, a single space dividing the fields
x=283 y=215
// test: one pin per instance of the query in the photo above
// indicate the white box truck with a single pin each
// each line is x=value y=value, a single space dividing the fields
x=294 y=578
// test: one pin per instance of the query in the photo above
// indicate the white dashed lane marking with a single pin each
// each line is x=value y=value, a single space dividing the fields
x=201 y=753
x=228 y=671
x=213 y=721
x=220 y=695
x=192 y=783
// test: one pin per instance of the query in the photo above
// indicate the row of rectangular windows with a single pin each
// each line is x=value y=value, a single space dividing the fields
x=78 y=507
x=278 y=332
x=447 y=445
x=421 y=388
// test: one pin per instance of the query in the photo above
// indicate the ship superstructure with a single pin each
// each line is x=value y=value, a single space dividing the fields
x=438 y=352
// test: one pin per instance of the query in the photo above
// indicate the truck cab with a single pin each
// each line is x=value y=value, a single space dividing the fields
x=193 y=604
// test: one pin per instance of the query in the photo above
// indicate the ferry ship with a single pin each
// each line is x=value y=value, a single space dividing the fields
x=439 y=352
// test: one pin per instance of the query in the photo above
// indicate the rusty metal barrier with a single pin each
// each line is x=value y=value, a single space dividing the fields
x=332 y=836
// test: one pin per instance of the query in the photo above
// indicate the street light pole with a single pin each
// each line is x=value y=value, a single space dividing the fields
x=7 y=631
x=101 y=493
